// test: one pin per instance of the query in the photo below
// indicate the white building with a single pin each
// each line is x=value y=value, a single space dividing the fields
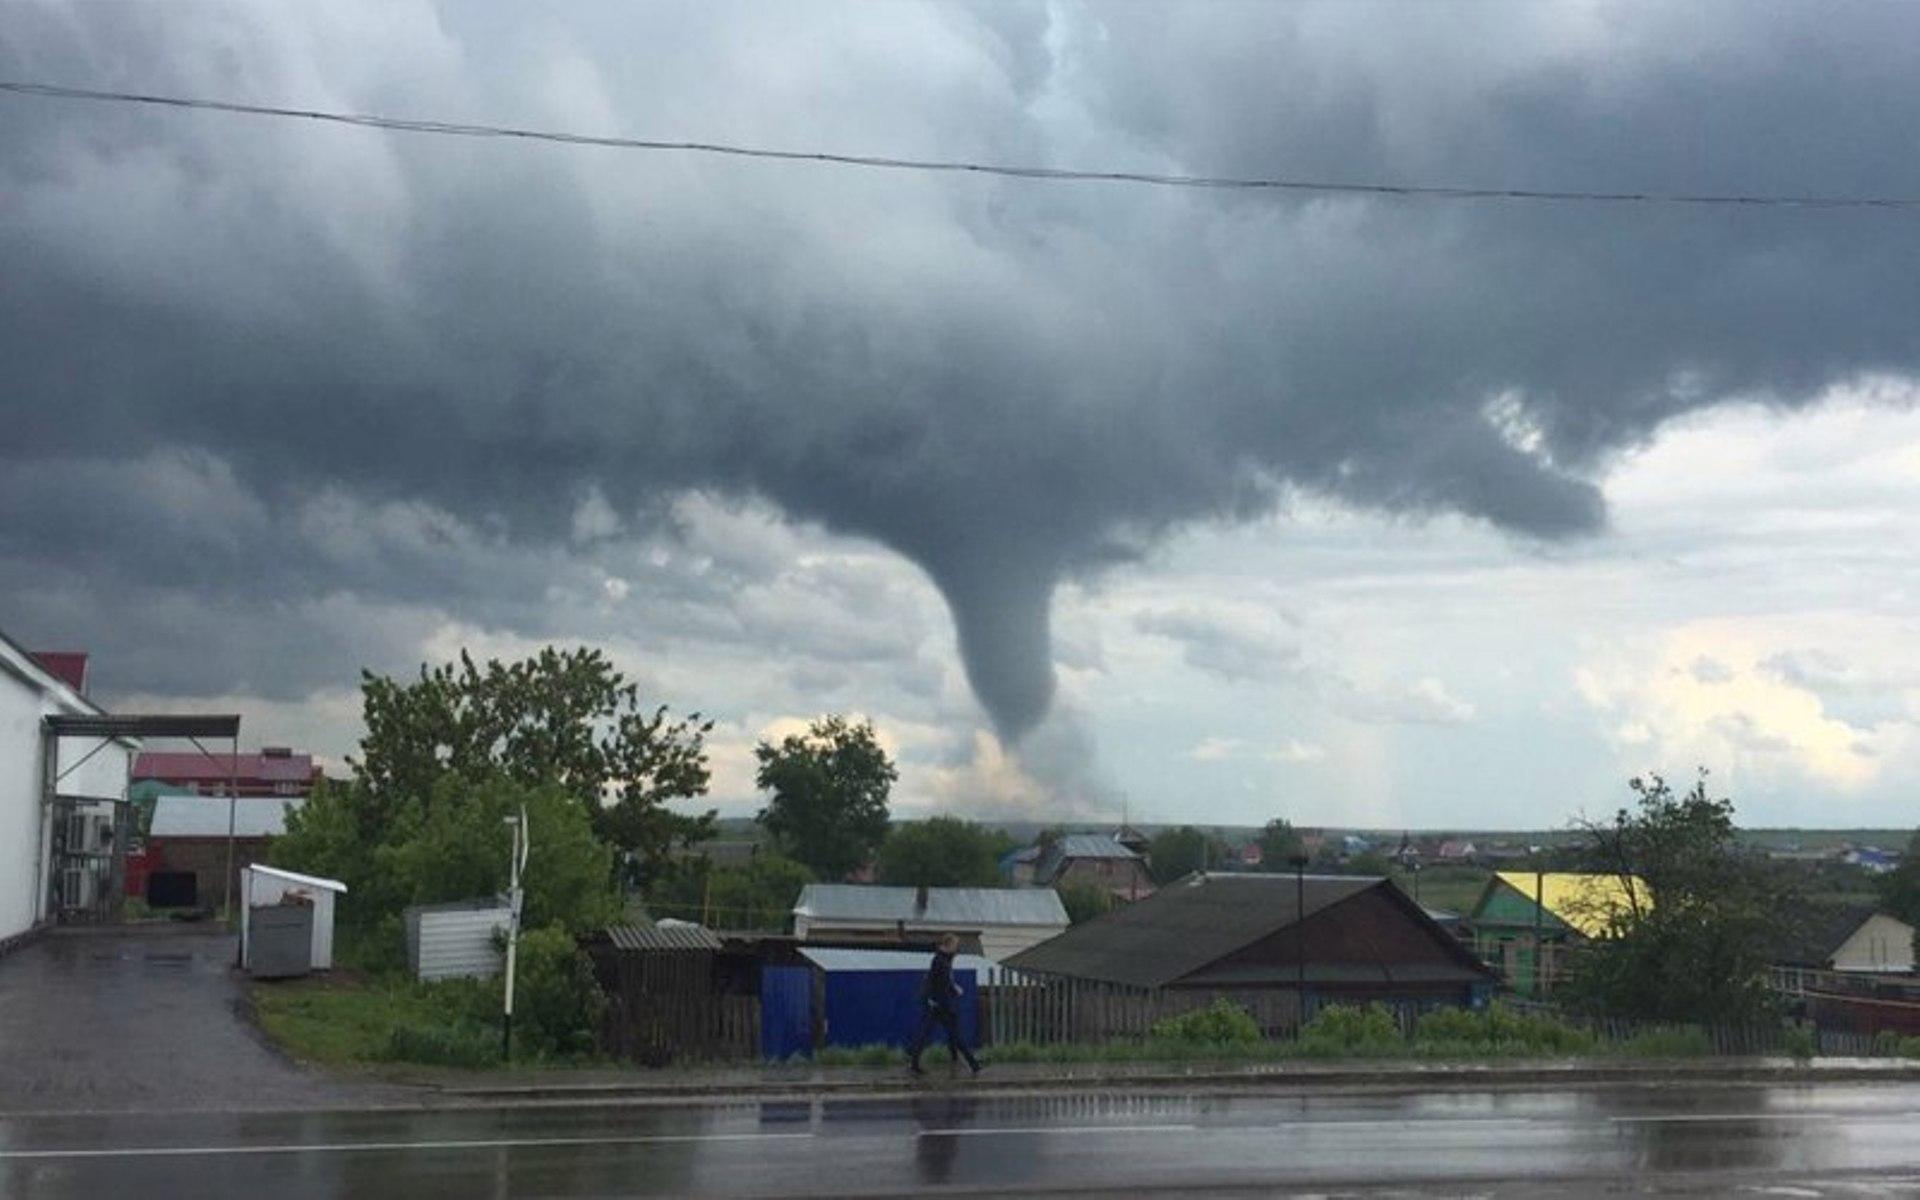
x=1006 y=920
x=82 y=767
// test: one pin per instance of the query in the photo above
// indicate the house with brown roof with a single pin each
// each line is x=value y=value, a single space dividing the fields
x=1318 y=938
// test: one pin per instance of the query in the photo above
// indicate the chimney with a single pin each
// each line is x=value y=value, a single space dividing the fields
x=920 y=901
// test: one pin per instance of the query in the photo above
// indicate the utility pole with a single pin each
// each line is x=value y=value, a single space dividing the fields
x=1539 y=909
x=516 y=863
x=1299 y=864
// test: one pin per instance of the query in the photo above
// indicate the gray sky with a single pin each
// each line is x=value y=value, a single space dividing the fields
x=1356 y=510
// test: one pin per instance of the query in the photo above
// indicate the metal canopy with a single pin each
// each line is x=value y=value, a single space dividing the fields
x=118 y=725
x=130 y=727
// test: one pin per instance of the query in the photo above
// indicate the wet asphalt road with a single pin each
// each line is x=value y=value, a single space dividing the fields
x=1829 y=1140
x=110 y=1020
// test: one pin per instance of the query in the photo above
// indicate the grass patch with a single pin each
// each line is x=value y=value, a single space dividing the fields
x=343 y=1019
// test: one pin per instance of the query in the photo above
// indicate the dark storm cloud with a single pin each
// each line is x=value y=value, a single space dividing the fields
x=1011 y=383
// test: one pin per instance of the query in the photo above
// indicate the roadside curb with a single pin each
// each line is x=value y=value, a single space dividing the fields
x=1436 y=1078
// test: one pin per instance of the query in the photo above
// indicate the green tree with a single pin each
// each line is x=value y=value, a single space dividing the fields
x=563 y=717
x=338 y=834
x=460 y=851
x=1177 y=852
x=757 y=896
x=1279 y=842
x=1900 y=888
x=830 y=786
x=941 y=852
x=1698 y=950
x=1369 y=862
x=1084 y=901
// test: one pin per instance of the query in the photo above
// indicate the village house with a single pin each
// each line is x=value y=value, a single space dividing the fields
x=1270 y=943
x=58 y=796
x=1098 y=859
x=188 y=862
x=1851 y=938
x=275 y=771
x=1526 y=941
x=1002 y=921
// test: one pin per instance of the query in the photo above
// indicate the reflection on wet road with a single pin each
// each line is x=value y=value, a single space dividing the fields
x=1832 y=1139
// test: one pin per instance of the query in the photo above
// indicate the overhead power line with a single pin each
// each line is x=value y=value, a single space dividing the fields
x=960 y=166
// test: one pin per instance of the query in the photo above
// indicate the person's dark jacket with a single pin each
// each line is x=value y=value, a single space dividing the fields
x=938 y=989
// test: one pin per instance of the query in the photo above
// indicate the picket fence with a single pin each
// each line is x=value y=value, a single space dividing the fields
x=1040 y=1010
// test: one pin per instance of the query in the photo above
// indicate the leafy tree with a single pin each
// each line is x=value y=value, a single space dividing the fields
x=1699 y=950
x=337 y=834
x=829 y=785
x=1900 y=888
x=1177 y=852
x=941 y=852
x=562 y=717
x=460 y=850
x=1279 y=841
x=1084 y=901
x=759 y=895
x=1368 y=862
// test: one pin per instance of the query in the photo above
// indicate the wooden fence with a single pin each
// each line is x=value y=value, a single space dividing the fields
x=1042 y=1010
x=665 y=1007
x=1749 y=1038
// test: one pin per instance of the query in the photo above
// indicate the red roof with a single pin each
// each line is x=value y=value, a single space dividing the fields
x=69 y=666
x=192 y=765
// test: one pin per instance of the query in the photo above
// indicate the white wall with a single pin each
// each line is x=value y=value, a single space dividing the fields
x=457 y=943
x=1883 y=943
x=26 y=695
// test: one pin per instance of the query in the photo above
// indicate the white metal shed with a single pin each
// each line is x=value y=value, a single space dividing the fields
x=268 y=885
x=456 y=940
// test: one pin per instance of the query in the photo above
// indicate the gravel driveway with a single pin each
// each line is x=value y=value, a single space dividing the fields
x=130 y=1020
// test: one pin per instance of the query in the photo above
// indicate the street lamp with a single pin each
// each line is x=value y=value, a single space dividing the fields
x=516 y=863
x=1298 y=862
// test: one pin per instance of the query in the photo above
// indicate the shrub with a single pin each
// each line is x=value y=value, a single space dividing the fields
x=1801 y=1044
x=1682 y=1041
x=1910 y=1047
x=1221 y=1023
x=557 y=1002
x=1452 y=1025
x=1352 y=1027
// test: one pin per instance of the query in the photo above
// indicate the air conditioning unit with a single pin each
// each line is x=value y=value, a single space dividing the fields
x=76 y=887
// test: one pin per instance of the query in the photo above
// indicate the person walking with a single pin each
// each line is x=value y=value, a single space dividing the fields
x=938 y=991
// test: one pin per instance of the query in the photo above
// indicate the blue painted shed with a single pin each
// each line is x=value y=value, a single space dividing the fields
x=871 y=997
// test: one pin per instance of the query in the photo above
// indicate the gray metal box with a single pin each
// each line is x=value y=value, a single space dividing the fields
x=280 y=940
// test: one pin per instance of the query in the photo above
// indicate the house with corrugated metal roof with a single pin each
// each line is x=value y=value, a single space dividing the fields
x=274 y=771
x=1004 y=920
x=187 y=845
x=1271 y=942
x=1524 y=920
x=1099 y=859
